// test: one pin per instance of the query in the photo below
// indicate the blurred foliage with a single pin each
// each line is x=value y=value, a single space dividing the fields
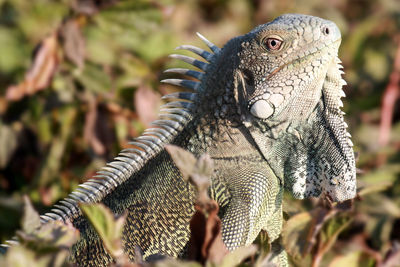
x=79 y=78
x=40 y=245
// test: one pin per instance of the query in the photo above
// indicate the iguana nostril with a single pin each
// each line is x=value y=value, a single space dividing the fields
x=331 y=31
x=326 y=30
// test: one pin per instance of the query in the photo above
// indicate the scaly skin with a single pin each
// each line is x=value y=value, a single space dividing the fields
x=266 y=109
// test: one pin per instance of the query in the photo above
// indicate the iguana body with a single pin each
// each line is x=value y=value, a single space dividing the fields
x=266 y=109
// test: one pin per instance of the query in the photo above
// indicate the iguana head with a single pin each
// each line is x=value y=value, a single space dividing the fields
x=282 y=81
x=288 y=85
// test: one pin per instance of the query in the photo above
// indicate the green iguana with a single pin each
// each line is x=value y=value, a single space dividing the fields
x=266 y=108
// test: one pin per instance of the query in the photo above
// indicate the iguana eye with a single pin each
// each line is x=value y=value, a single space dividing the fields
x=272 y=43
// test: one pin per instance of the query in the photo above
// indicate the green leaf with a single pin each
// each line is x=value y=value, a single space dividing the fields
x=374 y=188
x=41 y=245
x=44 y=129
x=93 y=78
x=58 y=235
x=8 y=144
x=50 y=170
x=13 y=51
x=333 y=228
x=50 y=239
x=99 y=49
x=108 y=228
x=19 y=256
x=263 y=242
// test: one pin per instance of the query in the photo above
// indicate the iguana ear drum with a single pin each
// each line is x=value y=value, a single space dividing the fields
x=262 y=109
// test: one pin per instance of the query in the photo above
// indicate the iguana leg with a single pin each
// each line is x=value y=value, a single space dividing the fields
x=255 y=204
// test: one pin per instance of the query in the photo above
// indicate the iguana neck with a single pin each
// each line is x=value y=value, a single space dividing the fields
x=216 y=124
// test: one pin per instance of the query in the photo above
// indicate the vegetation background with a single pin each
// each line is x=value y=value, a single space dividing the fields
x=79 y=79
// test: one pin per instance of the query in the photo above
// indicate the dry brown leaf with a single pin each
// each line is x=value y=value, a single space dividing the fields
x=389 y=98
x=41 y=72
x=90 y=135
x=184 y=160
x=74 y=43
x=147 y=103
x=46 y=195
x=295 y=233
x=392 y=258
x=3 y=105
x=206 y=243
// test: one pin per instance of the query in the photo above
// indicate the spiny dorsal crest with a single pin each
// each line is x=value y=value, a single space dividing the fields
x=173 y=117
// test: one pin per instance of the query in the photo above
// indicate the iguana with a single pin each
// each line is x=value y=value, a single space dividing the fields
x=266 y=108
